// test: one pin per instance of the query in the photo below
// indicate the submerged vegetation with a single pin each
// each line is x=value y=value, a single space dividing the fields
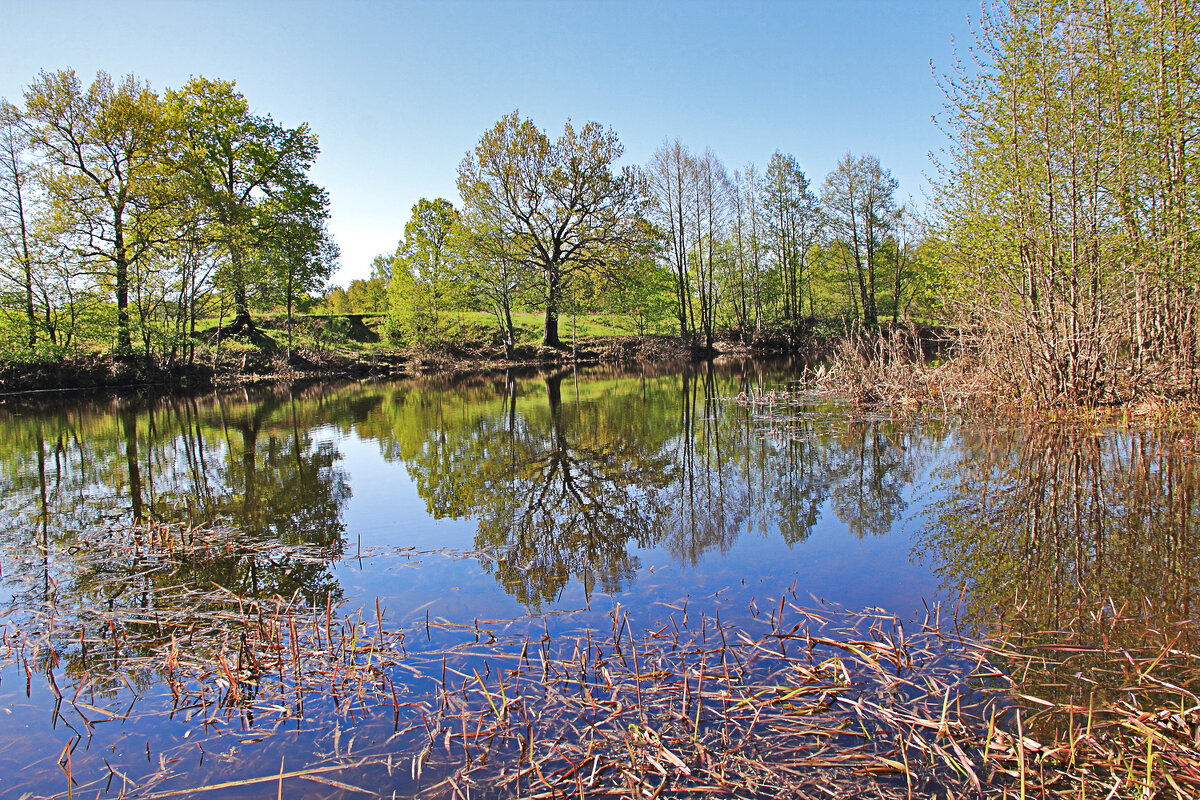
x=794 y=703
x=257 y=651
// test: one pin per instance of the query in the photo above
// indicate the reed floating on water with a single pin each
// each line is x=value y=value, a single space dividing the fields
x=793 y=701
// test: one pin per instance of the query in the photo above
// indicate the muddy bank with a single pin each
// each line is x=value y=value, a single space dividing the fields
x=108 y=373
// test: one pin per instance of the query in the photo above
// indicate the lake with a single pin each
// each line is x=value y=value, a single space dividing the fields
x=276 y=589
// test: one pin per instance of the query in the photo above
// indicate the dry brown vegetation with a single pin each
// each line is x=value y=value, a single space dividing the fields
x=893 y=371
x=792 y=702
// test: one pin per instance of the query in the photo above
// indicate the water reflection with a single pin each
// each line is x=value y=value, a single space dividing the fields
x=573 y=483
x=88 y=478
x=1061 y=521
x=570 y=477
x=567 y=477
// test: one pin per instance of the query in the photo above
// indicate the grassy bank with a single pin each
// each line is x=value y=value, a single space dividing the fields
x=356 y=346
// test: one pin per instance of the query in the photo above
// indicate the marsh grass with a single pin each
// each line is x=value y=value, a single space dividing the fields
x=670 y=701
x=893 y=373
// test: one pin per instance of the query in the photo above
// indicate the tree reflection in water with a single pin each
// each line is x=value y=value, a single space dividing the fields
x=570 y=477
x=1062 y=521
x=561 y=489
x=79 y=500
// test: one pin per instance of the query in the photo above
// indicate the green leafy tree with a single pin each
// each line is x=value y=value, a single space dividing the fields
x=1069 y=200
x=793 y=224
x=641 y=289
x=748 y=287
x=858 y=198
x=426 y=271
x=369 y=296
x=297 y=252
x=18 y=208
x=250 y=174
x=337 y=301
x=491 y=277
x=557 y=207
x=101 y=154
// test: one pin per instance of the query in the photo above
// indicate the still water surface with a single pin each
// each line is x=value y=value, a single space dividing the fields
x=548 y=501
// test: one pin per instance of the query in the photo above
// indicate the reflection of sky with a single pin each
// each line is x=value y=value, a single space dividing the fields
x=384 y=512
x=831 y=566
x=391 y=543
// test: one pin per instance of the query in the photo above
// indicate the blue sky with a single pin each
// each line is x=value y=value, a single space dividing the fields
x=398 y=92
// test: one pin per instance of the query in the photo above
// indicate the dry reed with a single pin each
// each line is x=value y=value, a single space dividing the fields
x=791 y=702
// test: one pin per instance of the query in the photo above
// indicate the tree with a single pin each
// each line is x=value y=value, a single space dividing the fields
x=250 y=174
x=1069 y=204
x=691 y=197
x=296 y=250
x=640 y=287
x=18 y=200
x=858 y=197
x=557 y=207
x=427 y=268
x=903 y=247
x=747 y=284
x=707 y=212
x=336 y=301
x=368 y=296
x=670 y=172
x=792 y=227
x=102 y=155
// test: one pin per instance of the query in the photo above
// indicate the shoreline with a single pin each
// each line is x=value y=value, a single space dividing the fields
x=107 y=374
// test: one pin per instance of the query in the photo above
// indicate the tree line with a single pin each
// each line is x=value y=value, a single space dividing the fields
x=682 y=244
x=1069 y=208
x=1062 y=241
x=127 y=215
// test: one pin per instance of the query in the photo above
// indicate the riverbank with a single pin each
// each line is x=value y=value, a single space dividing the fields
x=247 y=366
x=894 y=372
x=259 y=357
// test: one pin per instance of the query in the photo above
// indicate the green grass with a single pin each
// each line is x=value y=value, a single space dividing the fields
x=528 y=324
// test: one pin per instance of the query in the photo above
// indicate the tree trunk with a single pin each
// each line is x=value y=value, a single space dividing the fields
x=124 y=341
x=553 y=295
x=510 y=336
x=129 y=427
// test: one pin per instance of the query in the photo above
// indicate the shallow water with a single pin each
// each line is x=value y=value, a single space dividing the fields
x=422 y=513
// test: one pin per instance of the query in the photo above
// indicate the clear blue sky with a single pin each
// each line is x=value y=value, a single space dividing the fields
x=398 y=92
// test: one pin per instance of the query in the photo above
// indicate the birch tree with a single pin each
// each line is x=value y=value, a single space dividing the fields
x=859 y=201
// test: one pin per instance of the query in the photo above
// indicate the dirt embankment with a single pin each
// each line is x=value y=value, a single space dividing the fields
x=108 y=373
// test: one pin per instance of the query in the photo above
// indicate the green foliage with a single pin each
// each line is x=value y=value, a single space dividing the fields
x=412 y=317
x=250 y=175
x=546 y=211
x=369 y=296
x=101 y=156
x=859 y=201
x=125 y=216
x=336 y=301
x=427 y=273
x=1070 y=206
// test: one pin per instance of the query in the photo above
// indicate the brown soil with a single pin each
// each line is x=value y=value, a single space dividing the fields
x=96 y=373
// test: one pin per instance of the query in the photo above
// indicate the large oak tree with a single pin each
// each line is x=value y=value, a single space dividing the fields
x=557 y=207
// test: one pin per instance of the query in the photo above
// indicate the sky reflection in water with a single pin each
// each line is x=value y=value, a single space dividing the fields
x=573 y=491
